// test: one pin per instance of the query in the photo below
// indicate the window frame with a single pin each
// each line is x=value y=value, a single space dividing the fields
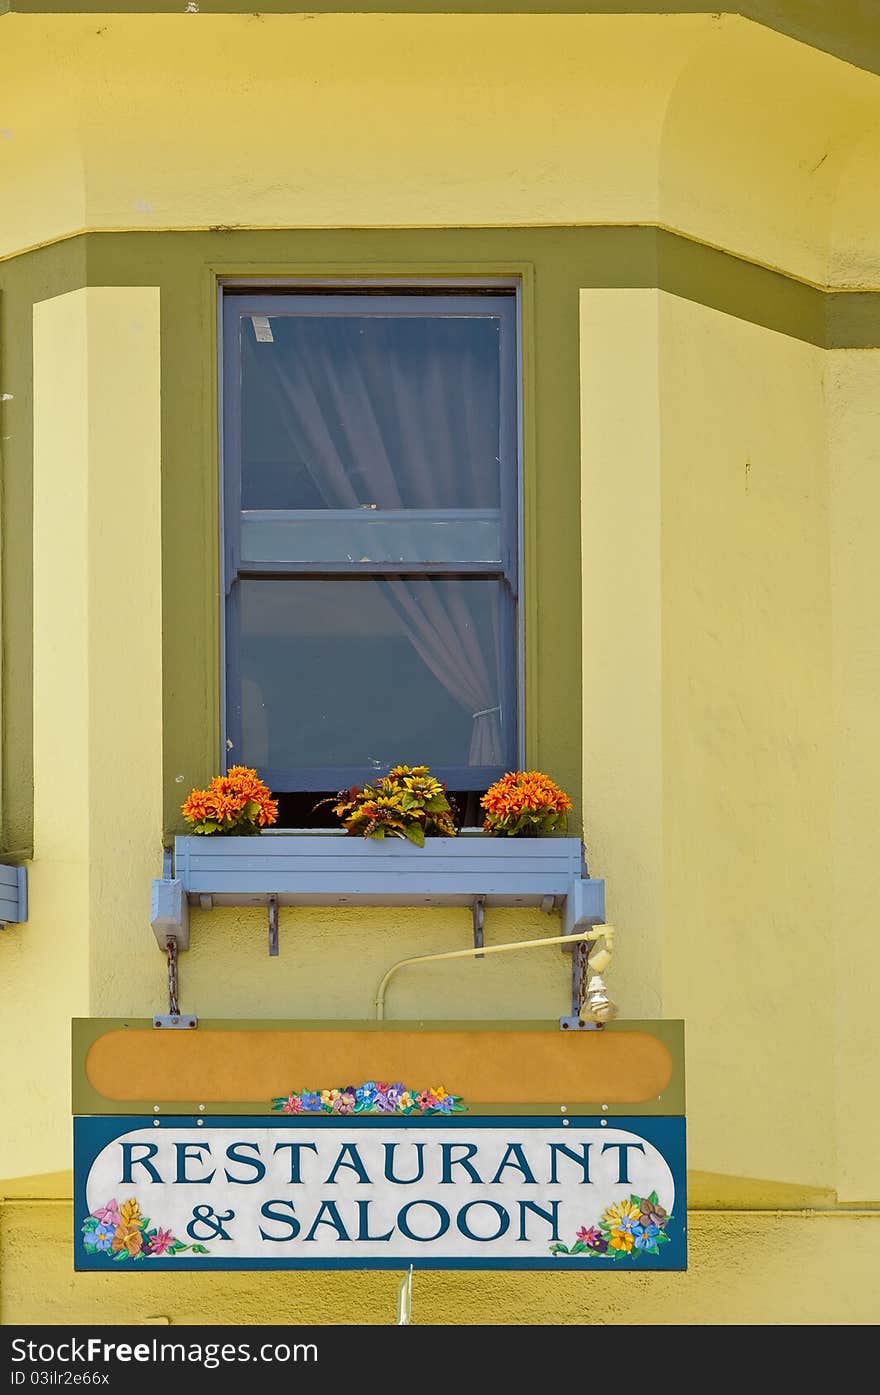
x=238 y=299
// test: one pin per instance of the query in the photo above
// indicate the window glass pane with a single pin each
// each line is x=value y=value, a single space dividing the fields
x=329 y=538
x=369 y=672
x=370 y=410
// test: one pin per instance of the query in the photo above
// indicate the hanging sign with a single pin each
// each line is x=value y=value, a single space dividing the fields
x=369 y=1190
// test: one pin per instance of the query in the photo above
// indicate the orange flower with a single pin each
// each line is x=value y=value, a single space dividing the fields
x=128 y=1238
x=524 y=801
x=237 y=800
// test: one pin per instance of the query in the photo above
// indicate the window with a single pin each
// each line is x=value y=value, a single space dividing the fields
x=370 y=446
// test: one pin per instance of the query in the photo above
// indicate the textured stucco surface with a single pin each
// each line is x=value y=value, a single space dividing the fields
x=731 y=662
x=749 y=1268
x=708 y=123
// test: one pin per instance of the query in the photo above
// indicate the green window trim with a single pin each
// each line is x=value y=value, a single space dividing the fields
x=188 y=268
x=551 y=514
x=554 y=264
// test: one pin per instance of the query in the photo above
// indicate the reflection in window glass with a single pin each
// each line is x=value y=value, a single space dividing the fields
x=364 y=411
x=366 y=673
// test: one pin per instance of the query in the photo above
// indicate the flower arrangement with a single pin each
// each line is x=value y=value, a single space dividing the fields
x=370 y=1098
x=121 y=1232
x=635 y=1227
x=237 y=803
x=524 y=803
x=406 y=803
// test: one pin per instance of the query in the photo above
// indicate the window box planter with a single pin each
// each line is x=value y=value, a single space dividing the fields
x=330 y=869
x=13 y=895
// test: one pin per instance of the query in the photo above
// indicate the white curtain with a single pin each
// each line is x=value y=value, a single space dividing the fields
x=379 y=422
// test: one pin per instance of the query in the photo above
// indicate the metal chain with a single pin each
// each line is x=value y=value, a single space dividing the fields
x=171 y=952
x=580 y=955
x=585 y=967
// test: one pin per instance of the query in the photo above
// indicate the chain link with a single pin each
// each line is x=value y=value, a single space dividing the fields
x=581 y=953
x=171 y=952
x=582 y=985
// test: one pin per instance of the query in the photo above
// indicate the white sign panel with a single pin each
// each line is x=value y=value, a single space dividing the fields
x=371 y=1192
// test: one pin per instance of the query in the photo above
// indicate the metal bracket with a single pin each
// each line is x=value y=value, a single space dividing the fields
x=479 y=909
x=273 y=926
x=169 y=912
x=167 y=1020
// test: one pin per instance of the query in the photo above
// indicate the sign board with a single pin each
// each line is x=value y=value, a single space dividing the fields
x=236 y=1146
x=379 y=1190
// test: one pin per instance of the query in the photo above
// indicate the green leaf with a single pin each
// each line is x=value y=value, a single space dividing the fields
x=662 y=1238
x=199 y=1250
x=90 y=1223
x=652 y=1250
x=559 y=1249
x=90 y=1249
x=577 y=1248
x=416 y=834
x=635 y=1200
x=377 y=833
x=119 y=1256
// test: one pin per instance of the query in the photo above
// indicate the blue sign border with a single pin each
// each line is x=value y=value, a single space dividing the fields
x=666 y=1133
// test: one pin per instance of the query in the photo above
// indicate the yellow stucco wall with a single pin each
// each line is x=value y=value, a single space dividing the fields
x=151 y=121
x=731 y=660
x=745 y=1267
x=852 y=388
x=97 y=704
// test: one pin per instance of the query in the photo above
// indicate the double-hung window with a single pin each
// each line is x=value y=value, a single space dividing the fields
x=371 y=536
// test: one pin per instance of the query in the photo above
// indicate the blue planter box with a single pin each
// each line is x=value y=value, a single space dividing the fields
x=13 y=895
x=333 y=870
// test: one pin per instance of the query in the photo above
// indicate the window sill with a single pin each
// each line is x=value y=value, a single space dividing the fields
x=13 y=895
x=324 y=869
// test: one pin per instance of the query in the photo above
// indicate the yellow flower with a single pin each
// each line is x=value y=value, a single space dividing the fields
x=622 y=1240
x=405 y=1100
x=129 y=1213
x=620 y=1211
x=438 y=1092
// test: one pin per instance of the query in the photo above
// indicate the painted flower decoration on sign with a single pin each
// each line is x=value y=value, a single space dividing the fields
x=121 y=1232
x=635 y=1226
x=373 y=1097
